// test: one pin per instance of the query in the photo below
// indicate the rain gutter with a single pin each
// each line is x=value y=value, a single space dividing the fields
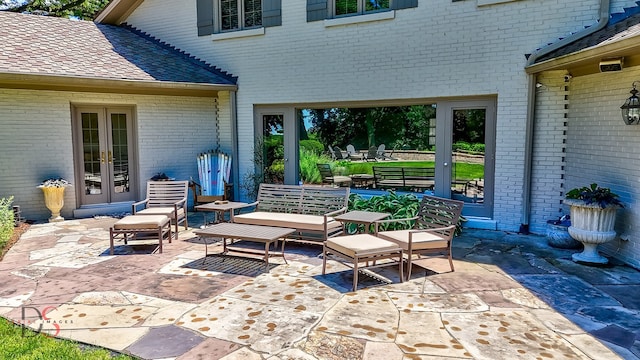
x=603 y=20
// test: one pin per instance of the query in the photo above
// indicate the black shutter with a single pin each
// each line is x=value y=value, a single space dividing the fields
x=204 y=8
x=271 y=13
x=316 y=10
x=404 y=4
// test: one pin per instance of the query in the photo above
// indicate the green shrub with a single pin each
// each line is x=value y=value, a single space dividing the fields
x=399 y=206
x=465 y=146
x=6 y=220
x=309 y=173
x=314 y=146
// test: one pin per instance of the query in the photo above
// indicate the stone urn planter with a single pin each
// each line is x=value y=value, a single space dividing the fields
x=53 y=190
x=593 y=217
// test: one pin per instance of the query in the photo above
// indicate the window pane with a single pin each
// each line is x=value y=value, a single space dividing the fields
x=375 y=5
x=344 y=7
x=252 y=13
x=229 y=14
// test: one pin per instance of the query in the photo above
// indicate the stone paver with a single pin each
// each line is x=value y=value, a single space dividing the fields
x=510 y=296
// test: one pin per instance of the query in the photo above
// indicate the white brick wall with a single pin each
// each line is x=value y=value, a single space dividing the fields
x=548 y=162
x=440 y=49
x=602 y=149
x=36 y=143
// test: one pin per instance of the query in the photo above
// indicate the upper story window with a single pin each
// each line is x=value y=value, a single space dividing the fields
x=240 y=14
x=330 y=9
x=217 y=16
x=355 y=7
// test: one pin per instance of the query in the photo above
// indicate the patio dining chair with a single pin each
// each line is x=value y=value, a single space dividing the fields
x=432 y=232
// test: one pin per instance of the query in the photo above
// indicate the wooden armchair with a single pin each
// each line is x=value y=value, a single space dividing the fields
x=167 y=198
x=432 y=231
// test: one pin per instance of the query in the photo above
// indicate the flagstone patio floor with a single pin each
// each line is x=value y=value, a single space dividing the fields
x=511 y=296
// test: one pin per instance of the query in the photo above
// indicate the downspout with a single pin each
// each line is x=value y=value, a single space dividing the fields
x=603 y=20
x=235 y=168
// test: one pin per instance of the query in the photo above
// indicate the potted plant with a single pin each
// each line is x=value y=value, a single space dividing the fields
x=53 y=190
x=593 y=217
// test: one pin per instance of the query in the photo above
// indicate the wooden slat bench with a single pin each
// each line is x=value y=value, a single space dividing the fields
x=404 y=178
x=308 y=209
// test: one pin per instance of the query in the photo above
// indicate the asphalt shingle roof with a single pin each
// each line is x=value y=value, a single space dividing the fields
x=609 y=34
x=41 y=45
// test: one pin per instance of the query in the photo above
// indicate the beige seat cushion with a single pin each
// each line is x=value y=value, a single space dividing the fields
x=296 y=221
x=361 y=245
x=339 y=179
x=162 y=210
x=421 y=241
x=141 y=222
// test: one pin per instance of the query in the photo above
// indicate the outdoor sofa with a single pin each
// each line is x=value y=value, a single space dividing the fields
x=308 y=209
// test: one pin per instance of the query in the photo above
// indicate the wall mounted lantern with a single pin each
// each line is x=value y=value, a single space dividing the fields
x=631 y=108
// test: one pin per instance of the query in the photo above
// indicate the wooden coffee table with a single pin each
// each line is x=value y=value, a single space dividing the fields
x=256 y=233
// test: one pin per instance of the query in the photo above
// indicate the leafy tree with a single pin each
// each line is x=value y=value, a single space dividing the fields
x=365 y=127
x=81 y=9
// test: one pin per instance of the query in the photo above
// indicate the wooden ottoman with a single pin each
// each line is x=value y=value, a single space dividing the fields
x=361 y=248
x=141 y=227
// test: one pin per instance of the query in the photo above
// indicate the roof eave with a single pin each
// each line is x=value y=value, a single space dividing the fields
x=590 y=57
x=100 y=85
x=117 y=11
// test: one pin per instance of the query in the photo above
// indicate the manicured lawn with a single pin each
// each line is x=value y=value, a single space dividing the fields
x=463 y=171
x=14 y=345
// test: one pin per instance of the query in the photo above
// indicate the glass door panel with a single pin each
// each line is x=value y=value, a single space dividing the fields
x=119 y=155
x=93 y=157
x=273 y=148
x=467 y=170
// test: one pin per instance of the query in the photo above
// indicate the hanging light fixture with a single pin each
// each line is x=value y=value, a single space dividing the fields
x=631 y=108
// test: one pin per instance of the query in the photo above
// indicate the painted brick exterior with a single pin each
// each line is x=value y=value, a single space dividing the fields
x=437 y=50
x=171 y=132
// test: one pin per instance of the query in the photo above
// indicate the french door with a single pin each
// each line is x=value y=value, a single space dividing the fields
x=465 y=148
x=278 y=154
x=103 y=148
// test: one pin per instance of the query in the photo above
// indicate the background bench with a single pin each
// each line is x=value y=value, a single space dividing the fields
x=308 y=209
x=404 y=178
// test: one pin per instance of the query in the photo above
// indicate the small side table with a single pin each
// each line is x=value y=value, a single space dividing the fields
x=219 y=209
x=365 y=218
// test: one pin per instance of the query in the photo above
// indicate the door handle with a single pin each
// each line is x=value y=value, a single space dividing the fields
x=102 y=157
x=110 y=157
x=446 y=164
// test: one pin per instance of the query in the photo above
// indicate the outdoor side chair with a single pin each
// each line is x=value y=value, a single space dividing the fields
x=381 y=154
x=353 y=154
x=339 y=154
x=167 y=198
x=432 y=232
x=372 y=154
x=329 y=178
